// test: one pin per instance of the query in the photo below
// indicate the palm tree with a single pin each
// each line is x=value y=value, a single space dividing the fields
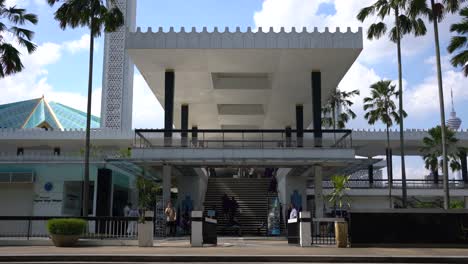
x=460 y=42
x=432 y=150
x=338 y=196
x=10 y=20
x=402 y=25
x=381 y=107
x=435 y=13
x=95 y=15
x=337 y=111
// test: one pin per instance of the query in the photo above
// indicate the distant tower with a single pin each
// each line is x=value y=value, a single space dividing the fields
x=117 y=81
x=454 y=122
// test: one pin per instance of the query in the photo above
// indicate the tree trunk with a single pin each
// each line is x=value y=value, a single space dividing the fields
x=400 y=89
x=442 y=112
x=88 y=124
x=389 y=168
x=334 y=124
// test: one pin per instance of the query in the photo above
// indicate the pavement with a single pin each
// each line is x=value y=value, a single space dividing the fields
x=231 y=250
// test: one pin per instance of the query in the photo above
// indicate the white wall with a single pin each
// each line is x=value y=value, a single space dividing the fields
x=15 y=200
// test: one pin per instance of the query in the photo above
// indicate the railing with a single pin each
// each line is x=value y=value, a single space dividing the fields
x=235 y=138
x=28 y=227
x=323 y=231
x=397 y=184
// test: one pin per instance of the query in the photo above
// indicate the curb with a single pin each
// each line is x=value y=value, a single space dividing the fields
x=237 y=258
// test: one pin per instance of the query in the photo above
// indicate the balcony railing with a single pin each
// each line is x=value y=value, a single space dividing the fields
x=28 y=227
x=246 y=138
x=397 y=184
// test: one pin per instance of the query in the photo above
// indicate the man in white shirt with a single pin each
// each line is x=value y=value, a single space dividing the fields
x=293 y=214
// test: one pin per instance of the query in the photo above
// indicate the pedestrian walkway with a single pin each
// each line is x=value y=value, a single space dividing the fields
x=234 y=250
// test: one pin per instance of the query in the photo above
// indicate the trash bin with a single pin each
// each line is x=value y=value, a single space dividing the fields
x=293 y=231
x=209 y=231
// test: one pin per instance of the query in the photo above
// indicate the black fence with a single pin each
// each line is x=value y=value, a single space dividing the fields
x=241 y=138
x=27 y=227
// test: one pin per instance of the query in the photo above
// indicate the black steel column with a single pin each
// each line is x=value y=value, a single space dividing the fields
x=300 y=125
x=194 y=136
x=169 y=83
x=317 y=107
x=464 y=167
x=371 y=175
x=103 y=196
x=288 y=136
x=184 y=117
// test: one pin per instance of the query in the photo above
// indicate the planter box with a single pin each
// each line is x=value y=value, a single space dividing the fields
x=145 y=232
x=64 y=240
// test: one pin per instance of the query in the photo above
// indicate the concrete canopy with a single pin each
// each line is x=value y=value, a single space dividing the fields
x=235 y=80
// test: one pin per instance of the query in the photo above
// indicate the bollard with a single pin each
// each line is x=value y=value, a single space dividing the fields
x=196 y=236
x=304 y=229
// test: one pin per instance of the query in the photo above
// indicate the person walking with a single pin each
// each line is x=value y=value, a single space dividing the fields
x=132 y=225
x=171 y=218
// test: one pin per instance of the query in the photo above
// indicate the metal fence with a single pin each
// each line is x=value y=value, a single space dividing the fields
x=28 y=227
x=323 y=231
x=397 y=184
x=245 y=138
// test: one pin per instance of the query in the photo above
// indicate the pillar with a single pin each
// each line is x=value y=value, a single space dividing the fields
x=196 y=235
x=167 y=171
x=318 y=178
x=371 y=173
x=317 y=107
x=300 y=125
x=103 y=197
x=305 y=232
x=288 y=136
x=184 y=118
x=169 y=83
x=464 y=167
x=194 y=136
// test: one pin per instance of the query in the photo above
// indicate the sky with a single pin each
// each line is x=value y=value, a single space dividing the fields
x=58 y=69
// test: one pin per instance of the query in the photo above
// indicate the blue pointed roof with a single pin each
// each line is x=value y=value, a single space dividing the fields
x=40 y=113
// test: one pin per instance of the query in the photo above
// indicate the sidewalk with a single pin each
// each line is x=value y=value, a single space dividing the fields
x=238 y=250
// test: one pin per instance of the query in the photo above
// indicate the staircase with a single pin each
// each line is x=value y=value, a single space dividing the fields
x=252 y=196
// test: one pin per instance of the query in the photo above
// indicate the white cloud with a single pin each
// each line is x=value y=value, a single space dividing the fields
x=303 y=13
x=32 y=81
x=75 y=46
x=423 y=98
x=147 y=111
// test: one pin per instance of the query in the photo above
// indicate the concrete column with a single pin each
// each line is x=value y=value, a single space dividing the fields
x=466 y=202
x=305 y=233
x=169 y=84
x=317 y=107
x=318 y=178
x=300 y=125
x=196 y=237
x=167 y=171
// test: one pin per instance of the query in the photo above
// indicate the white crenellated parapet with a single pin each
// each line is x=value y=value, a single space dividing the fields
x=250 y=39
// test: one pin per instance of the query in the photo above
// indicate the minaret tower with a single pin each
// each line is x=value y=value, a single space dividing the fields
x=454 y=122
x=117 y=81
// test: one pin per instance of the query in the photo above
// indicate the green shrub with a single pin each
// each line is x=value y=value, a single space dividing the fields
x=66 y=226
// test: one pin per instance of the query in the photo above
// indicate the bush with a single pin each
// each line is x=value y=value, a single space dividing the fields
x=66 y=226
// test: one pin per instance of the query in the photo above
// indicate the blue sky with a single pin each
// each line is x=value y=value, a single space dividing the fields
x=59 y=68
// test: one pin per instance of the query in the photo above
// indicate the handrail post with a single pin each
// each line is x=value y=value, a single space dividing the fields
x=29 y=228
